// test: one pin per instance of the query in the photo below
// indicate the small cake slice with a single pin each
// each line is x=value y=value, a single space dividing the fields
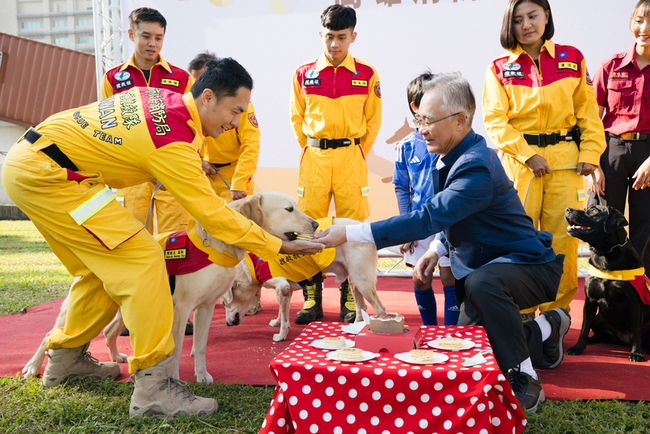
x=335 y=342
x=421 y=356
x=450 y=343
x=350 y=354
x=388 y=323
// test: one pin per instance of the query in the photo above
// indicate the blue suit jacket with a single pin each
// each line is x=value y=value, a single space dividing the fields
x=477 y=208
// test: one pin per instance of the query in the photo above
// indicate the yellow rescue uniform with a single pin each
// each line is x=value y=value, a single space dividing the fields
x=333 y=103
x=518 y=99
x=121 y=141
x=169 y=214
x=234 y=154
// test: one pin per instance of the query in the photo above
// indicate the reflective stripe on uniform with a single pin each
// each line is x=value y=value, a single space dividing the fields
x=90 y=207
x=365 y=191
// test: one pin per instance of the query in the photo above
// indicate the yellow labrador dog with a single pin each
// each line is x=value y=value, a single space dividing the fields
x=353 y=261
x=277 y=213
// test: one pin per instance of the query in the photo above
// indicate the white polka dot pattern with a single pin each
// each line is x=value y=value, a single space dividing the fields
x=388 y=396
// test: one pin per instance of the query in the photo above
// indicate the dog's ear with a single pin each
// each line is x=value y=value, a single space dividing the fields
x=615 y=220
x=252 y=209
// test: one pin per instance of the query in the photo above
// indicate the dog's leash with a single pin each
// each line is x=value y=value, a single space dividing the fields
x=593 y=179
x=150 y=207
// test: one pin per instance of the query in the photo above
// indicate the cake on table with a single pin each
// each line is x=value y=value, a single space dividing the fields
x=388 y=323
x=421 y=356
x=450 y=343
x=334 y=342
x=350 y=354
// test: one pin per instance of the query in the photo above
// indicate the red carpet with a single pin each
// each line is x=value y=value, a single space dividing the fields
x=242 y=354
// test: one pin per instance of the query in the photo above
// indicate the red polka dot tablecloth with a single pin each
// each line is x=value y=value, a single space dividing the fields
x=384 y=395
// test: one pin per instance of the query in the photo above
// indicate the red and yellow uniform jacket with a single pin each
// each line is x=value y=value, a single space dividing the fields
x=519 y=99
x=295 y=268
x=239 y=147
x=336 y=103
x=163 y=75
x=146 y=133
x=636 y=277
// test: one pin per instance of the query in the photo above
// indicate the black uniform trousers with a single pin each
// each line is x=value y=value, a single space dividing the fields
x=493 y=296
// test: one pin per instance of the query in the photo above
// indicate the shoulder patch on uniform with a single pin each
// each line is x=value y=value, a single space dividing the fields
x=378 y=90
x=253 y=119
x=588 y=77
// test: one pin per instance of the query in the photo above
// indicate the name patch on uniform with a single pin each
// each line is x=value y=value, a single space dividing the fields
x=361 y=83
x=253 y=120
x=123 y=84
x=175 y=254
x=311 y=82
x=567 y=65
x=170 y=82
x=620 y=75
x=509 y=74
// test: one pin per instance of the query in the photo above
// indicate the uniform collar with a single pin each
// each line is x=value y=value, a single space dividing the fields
x=131 y=62
x=323 y=62
x=629 y=58
x=188 y=99
x=548 y=44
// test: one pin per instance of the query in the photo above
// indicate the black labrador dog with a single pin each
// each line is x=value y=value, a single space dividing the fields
x=622 y=317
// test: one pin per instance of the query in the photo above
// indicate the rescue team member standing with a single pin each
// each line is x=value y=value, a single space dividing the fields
x=622 y=86
x=501 y=262
x=146 y=67
x=413 y=187
x=540 y=111
x=58 y=175
x=230 y=160
x=335 y=115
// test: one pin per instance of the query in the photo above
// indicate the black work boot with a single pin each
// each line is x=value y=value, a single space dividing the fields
x=313 y=307
x=348 y=309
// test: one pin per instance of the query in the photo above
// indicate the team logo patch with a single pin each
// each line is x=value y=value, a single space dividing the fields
x=122 y=75
x=511 y=66
x=355 y=73
x=175 y=254
x=253 y=120
x=620 y=75
x=562 y=55
x=377 y=90
x=589 y=80
x=311 y=82
x=170 y=82
x=123 y=84
x=312 y=73
x=360 y=83
x=510 y=74
x=567 y=65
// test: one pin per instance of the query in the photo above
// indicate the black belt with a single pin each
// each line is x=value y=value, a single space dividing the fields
x=51 y=151
x=632 y=137
x=218 y=165
x=331 y=143
x=543 y=140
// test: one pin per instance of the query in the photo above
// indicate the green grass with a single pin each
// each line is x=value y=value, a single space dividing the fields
x=31 y=274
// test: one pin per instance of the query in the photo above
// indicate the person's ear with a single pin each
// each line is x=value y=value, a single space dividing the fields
x=206 y=96
x=353 y=37
x=131 y=36
x=414 y=107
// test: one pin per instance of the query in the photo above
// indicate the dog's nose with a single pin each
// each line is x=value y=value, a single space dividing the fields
x=314 y=224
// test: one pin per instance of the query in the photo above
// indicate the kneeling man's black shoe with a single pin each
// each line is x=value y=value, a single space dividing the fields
x=553 y=347
x=528 y=390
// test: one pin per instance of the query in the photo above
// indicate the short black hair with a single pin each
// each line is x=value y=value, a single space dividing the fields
x=200 y=60
x=508 y=38
x=146 y=15
x=338 y=17
x=415 y=89
x=224 y=77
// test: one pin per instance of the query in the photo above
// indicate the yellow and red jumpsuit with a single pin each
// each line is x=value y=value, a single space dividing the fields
x=234 y=154
x=121 y=141
x=169 y=214
x=518 y=99
x=333 y=103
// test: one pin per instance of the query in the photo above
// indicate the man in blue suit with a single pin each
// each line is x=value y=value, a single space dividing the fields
x=501 y=263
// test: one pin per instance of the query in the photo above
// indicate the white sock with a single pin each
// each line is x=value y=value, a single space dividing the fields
x=544 y=326
x=527 y=367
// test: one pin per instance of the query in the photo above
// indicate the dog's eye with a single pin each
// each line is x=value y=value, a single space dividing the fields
x=290 y=209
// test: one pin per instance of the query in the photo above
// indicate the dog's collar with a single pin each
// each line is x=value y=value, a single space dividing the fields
x=618 y=246
x=616 y=274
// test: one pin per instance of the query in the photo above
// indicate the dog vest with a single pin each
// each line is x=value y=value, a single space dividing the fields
x=295 y=268
x=636 y=277
x=185 y=253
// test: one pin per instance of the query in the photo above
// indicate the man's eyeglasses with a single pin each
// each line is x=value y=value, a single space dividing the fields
x=425 y=124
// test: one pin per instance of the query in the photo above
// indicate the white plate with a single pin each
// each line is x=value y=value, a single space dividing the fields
x=437 y=358
x=365 y=356
x=353 y=329
x=467 y=344
x=321 y=346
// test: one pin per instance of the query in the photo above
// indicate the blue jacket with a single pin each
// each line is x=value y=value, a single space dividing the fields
x=477 y=209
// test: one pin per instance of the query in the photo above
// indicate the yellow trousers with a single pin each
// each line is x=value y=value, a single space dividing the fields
x=339 y=173
x=547 y=199
x=220 y=187
x=119 y=264
x=169 y=214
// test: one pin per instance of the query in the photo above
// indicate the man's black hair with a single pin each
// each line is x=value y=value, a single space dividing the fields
x=224 y=77
x=146 y=15
x=338 y=17
x=200 y=60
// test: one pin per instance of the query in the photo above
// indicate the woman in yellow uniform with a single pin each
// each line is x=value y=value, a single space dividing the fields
x=540 y=110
